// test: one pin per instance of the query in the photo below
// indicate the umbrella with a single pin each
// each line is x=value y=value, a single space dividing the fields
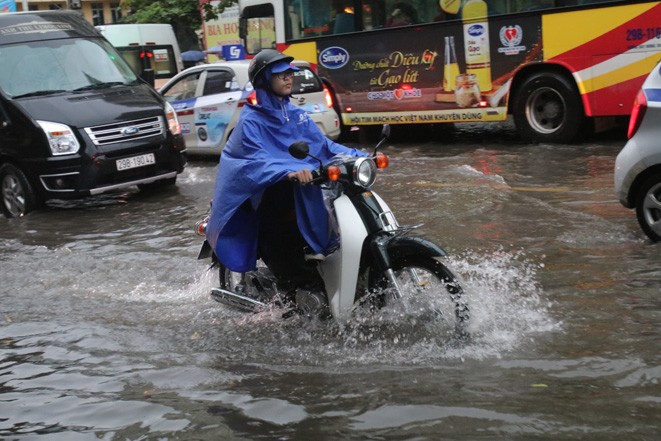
x=193 y=56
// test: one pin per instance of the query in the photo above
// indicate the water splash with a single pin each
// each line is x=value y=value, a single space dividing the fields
x=508 y=305
x=507 y=308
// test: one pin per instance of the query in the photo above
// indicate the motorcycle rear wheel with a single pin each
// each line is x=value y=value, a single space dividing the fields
x=427 y=279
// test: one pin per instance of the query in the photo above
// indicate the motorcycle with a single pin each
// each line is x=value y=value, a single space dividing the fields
x=376 y=264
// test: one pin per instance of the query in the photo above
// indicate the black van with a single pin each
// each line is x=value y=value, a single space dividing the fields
x=74 y=118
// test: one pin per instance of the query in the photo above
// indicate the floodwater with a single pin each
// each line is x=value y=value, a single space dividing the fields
x=107 y=330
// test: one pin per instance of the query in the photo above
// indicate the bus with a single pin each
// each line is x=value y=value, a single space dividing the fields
x=558 y=67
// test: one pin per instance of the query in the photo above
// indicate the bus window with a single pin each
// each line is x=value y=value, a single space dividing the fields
x=421 y=11
x=259 y=27
x=374 y=14
x=312 y=18
x=343 y=18
x=534 y=5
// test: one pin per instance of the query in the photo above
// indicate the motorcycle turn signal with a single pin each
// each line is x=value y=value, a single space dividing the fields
x=381 y=160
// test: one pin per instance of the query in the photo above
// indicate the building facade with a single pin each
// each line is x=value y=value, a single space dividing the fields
x=97 y=12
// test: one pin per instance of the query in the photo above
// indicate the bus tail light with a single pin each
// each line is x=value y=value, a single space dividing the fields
x=637 y=113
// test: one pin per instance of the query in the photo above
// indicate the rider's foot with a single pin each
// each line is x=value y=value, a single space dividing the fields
x=311 y=255
x=315 y=256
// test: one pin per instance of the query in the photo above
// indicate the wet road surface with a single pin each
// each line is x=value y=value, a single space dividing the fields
x=107 y=330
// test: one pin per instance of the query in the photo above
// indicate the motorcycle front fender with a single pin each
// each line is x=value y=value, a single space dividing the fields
x=401 y=246
x=385 y=248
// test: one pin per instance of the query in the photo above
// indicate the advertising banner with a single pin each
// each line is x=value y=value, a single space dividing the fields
x=455 y=72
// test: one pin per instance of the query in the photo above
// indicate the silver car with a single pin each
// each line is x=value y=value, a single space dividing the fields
x=208 y=100
x=638 y=165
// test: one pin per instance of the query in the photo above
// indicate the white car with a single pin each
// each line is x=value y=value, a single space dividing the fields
x=208 y=99
x=638 y=165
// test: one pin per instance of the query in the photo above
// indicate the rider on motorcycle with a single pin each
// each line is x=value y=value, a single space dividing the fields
x=257 y=212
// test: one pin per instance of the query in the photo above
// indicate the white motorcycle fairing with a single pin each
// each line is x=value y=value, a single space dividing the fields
x=340 y=269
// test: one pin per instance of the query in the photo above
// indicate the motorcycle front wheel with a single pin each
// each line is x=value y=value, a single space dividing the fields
x=426 y=281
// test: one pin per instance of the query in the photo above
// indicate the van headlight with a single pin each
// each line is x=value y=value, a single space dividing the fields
x=173 y=121
x=364 y=172
x=61 y=139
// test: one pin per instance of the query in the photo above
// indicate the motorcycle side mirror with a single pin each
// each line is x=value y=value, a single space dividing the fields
x=385 y=131
x=385 y=134
x=299 y=149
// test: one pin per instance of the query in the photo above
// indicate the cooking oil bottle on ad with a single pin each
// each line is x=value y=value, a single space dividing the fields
x=450 y=66
x=476 y=42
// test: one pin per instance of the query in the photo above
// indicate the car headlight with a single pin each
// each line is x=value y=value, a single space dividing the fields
x=364 y=172
x=173 y=121
x=61 y=138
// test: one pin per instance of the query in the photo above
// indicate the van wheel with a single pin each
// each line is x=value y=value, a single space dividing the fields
x=18 y=196
x=547 y=108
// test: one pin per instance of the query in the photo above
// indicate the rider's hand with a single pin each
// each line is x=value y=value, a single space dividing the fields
x=301 y=176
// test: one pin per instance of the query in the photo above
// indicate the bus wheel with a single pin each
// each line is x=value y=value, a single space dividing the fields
x=548 y=108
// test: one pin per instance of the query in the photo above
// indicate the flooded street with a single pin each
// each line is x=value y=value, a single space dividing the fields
x=107 y=330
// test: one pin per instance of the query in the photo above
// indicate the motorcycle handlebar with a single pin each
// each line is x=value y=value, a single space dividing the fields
x=317 y=177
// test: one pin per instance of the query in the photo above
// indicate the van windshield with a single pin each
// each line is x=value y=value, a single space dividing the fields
x=54 y=66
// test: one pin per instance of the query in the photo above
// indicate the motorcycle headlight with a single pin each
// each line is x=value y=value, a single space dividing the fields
x=61 y=139
x=173 y=121
x=364 y=172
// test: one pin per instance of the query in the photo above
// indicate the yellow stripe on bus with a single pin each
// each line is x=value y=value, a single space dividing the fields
x=633 y=69
x=565 y=31
x=303 y=51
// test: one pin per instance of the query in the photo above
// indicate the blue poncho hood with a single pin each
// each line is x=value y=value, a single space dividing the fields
x=255 y=157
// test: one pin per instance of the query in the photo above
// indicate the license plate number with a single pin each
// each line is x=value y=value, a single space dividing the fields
x=135 y=161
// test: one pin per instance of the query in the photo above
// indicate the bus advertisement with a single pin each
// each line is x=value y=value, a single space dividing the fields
x=553 y=65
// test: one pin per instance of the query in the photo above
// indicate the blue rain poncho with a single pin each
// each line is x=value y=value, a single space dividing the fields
x=255 y=157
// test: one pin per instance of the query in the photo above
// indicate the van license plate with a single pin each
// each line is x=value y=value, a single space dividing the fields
x=135 y=161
